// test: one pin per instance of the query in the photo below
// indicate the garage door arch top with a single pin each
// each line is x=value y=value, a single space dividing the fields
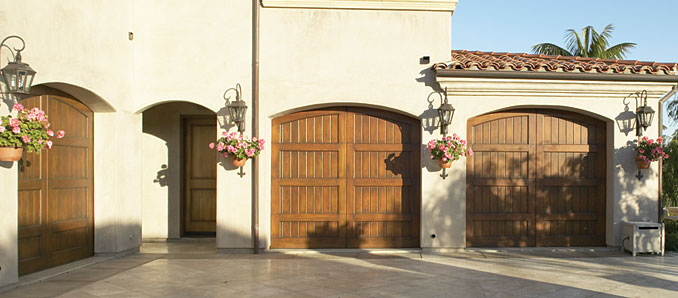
x=537 y=178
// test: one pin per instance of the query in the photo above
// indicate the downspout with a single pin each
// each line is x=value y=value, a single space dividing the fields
x=661 y=162
x=255 y=124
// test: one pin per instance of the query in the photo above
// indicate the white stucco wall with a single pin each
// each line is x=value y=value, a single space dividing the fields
x=9 y=267
x=325 y=57
x=627 y=198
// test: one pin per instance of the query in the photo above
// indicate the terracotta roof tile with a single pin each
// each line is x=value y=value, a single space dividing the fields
x=493 y=61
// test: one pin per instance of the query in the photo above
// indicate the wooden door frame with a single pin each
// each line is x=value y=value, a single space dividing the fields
x=182 y=163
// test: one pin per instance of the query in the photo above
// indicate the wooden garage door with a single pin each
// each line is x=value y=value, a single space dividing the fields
x=345 y=177
x=56 y=222
x=537 y=178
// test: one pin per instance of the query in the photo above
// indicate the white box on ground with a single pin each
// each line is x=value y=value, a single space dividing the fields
x=638 y=236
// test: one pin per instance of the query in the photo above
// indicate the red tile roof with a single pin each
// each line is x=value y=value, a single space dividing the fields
x=493 y=61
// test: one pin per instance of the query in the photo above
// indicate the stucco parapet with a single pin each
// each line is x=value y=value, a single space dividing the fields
x=552 y=88
x=429 y=5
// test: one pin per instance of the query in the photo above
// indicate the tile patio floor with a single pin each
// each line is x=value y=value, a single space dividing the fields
x=198 y=270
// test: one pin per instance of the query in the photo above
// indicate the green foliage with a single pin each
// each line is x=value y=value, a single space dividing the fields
x=448 y=148
x=670 y=173
x=671 y=231
x=238 y=147
x=29 y=129
x=589 y=44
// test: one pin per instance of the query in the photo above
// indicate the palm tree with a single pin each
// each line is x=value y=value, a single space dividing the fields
x=589 y=44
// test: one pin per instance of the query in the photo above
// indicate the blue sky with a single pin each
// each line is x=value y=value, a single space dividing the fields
x=515 y=26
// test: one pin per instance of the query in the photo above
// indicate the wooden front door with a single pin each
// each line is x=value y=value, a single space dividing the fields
x=56 y=206
x=200 y=176
x=345 y=177
x=537 y=178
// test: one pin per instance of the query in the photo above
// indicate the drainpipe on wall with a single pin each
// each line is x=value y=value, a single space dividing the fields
x=255 y=124
x=661 y=162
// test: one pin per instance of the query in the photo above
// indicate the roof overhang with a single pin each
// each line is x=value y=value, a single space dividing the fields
x=423 y=5
x=543 y=75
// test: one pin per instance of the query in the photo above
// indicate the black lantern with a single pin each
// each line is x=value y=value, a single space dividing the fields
x=445 y=112
x=237 y=108
x=17 y=76
x=644 y=114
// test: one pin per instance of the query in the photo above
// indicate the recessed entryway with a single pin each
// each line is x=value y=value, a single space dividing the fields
x=56 y=201
x=345 y=177
x=179 y=171
x=537 y=178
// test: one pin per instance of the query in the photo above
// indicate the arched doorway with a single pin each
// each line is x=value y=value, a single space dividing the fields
x=537 y=178
x=345 y=177
x=179 y=171
x=55 y=199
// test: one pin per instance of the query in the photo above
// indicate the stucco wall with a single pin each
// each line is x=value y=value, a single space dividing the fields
x=8 y=215
x=627 y=198
x=325 y=57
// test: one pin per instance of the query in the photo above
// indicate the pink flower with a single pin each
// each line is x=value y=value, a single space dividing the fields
x=16 y=130
x=18 y=107
x=643 y=157
x=40 y=141
x=50 y=133
x=660 y=140
x=262 y=141
x=14 y=122
x=650 y=141
x=26 y=139
x=220 y=147
x=254 y=139
x=470 y=152
x=2 y=129
x=666 y=156
x=432 y=157
x=223 y=134
x=641 y=151
x=49 y=144
x=260 y=147
x=441 y=147
x=444 y=159
x=231 y=149
x=211 y=145
x=60 y=134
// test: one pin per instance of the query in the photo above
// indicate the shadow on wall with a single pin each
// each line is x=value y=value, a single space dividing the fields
x=443 y=208
x=164 y=122
x=643 y=208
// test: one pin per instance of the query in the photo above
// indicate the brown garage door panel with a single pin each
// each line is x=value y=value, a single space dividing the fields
x=537 y=178
x=345 y=178
x=56 y=218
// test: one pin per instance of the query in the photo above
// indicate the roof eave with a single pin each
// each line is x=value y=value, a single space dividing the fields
x=578 y=76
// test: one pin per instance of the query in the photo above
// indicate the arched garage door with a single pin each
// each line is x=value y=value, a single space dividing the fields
x=56 y=221
x=345 y=177
x=537 y=178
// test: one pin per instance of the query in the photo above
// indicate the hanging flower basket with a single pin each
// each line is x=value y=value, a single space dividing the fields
x=642 y=164
x=649 y=150
x=239 y=162
x=10 y=153
x=238 y=147
x=28 y=130
x=445 y=164
x=448 y=149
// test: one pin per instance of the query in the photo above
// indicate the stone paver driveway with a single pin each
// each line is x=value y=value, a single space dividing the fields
x=184 y=270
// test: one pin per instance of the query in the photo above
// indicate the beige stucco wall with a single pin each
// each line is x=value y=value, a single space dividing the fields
x=325 y=57
x=627 y=198
x=9 y=175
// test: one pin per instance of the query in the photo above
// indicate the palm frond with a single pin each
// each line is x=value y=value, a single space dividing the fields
x=618 y=51
x=550 y=49
x=573 y=43
x=587 y=34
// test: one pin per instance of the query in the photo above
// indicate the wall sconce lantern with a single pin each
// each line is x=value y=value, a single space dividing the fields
x=17 y=76
x=644 y=113
x=236 y=108
x=446 y=112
